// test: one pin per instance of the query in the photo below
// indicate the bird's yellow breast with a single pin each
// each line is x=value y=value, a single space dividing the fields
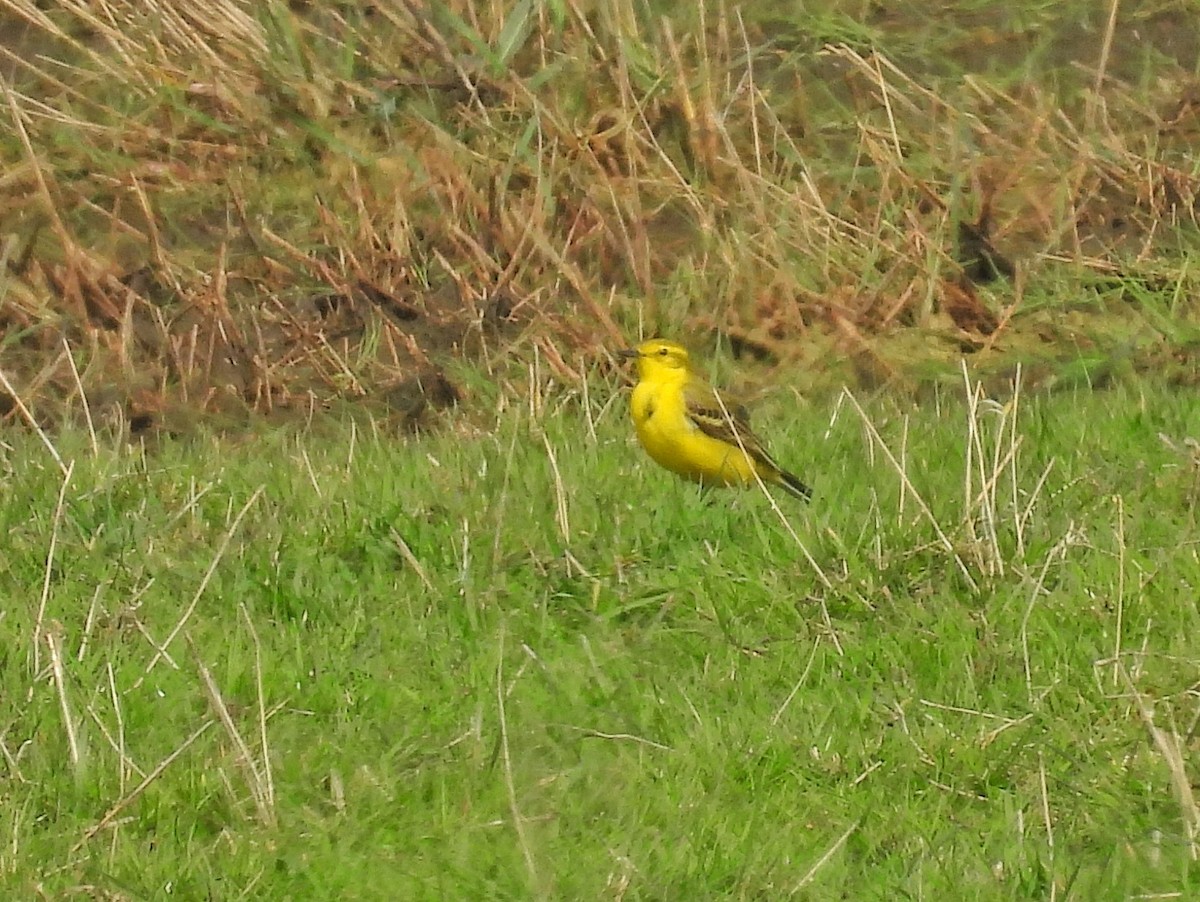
x=675 y=442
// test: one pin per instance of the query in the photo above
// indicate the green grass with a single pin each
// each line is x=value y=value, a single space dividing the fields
x=624 y=689
x=512 y=659
x=292 y=203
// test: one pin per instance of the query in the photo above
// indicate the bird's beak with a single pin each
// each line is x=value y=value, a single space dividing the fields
x=628 y=352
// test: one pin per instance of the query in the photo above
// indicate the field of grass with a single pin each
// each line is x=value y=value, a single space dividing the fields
x=330 y=570
x=518 y=661
x=274 y=206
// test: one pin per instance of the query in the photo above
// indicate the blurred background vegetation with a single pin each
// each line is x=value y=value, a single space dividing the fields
x=216 y=215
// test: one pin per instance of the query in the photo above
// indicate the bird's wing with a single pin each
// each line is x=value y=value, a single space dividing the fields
x=704 y=409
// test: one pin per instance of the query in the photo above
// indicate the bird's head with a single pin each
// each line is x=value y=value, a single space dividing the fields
x=658 y=356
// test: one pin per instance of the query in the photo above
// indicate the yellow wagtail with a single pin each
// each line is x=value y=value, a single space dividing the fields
x=687 y=427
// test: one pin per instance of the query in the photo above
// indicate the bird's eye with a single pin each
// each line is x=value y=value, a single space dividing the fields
x=663 y=351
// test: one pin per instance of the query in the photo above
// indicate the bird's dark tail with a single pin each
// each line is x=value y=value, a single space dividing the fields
x=794 y=486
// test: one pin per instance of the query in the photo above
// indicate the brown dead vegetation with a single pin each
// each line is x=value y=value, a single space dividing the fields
x=261 y=209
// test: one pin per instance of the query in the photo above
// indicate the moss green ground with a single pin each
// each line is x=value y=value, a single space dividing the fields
x=582 y=679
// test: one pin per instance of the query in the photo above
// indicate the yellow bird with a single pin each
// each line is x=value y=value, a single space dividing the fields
x=687 y=427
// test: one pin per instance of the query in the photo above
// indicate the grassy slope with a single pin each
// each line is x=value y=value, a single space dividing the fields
x=645 y=683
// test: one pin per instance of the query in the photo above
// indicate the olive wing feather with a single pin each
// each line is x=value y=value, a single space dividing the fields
x=724 y=423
